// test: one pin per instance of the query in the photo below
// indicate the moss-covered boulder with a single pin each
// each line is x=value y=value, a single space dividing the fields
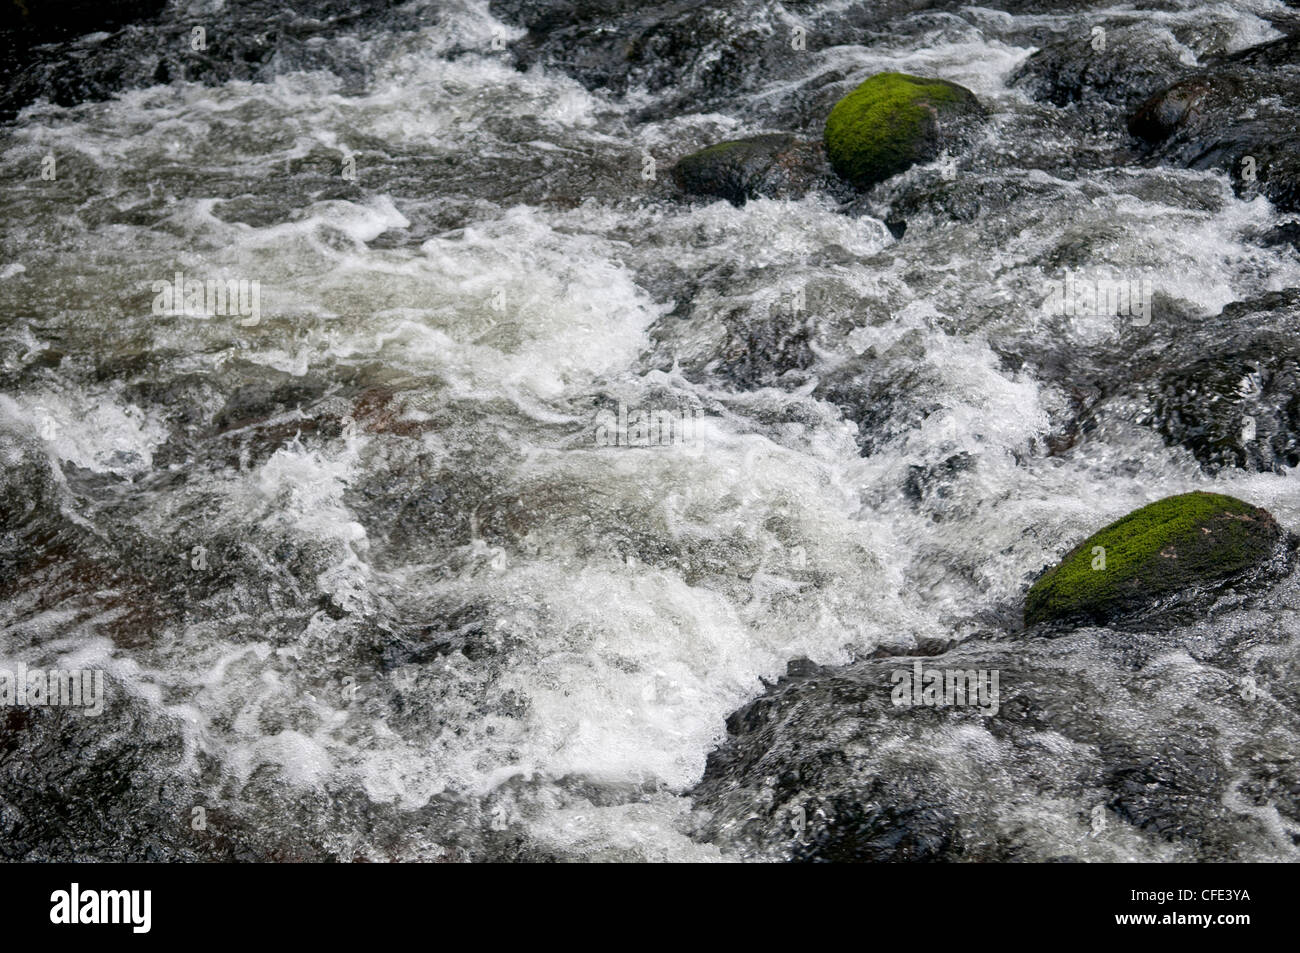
x=1178 y=551
x=774 y=165
x=893 y=121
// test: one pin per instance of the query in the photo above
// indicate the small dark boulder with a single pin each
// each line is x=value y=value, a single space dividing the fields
x=773 y=165
x=1188 y=106
x=90 y=50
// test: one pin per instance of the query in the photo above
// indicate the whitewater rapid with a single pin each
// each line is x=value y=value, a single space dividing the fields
x=431 y=594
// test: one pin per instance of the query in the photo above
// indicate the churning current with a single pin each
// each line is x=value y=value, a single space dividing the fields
x=428 y=477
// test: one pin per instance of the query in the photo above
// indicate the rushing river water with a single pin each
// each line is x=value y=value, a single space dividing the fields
x=368 y=570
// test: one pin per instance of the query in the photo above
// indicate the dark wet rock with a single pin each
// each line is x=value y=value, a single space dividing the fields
x=1159 y=791
x=51 y=20
x=1183 y=105
x=1179 y=552
x=704 y=52
x=1131 y=64
x=26 y=28
x=264 y=394
x=1236 y=116
x=78 y=787
x=119 y=787
x=764 y=351
x=773 y=165
x=907 y=818
x=1097 y=730
x=130 y=45
x=770 y=339
x=1287 y=233
x=893 y=121
x=28 y=485
x=1175 y=376
x=961 y=196
x=1236 y=408
x=1281 y=53
x=1230 y=404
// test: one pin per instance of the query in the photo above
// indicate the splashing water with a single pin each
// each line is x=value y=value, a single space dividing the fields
x=434 y=616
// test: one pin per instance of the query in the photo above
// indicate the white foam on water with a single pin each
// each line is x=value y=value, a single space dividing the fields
x=92 y=429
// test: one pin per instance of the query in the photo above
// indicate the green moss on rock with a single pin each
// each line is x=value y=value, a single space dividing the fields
x=1177 y=546
x=891 y=122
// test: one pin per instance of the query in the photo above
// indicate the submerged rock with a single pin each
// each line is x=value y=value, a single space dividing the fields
x=773 y=165
x=893 y=121
x=1237 y=408
x=1174 y=552
x=1091 y=745
x=1227 y=392
x=1239 y=404
x=28 y=485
